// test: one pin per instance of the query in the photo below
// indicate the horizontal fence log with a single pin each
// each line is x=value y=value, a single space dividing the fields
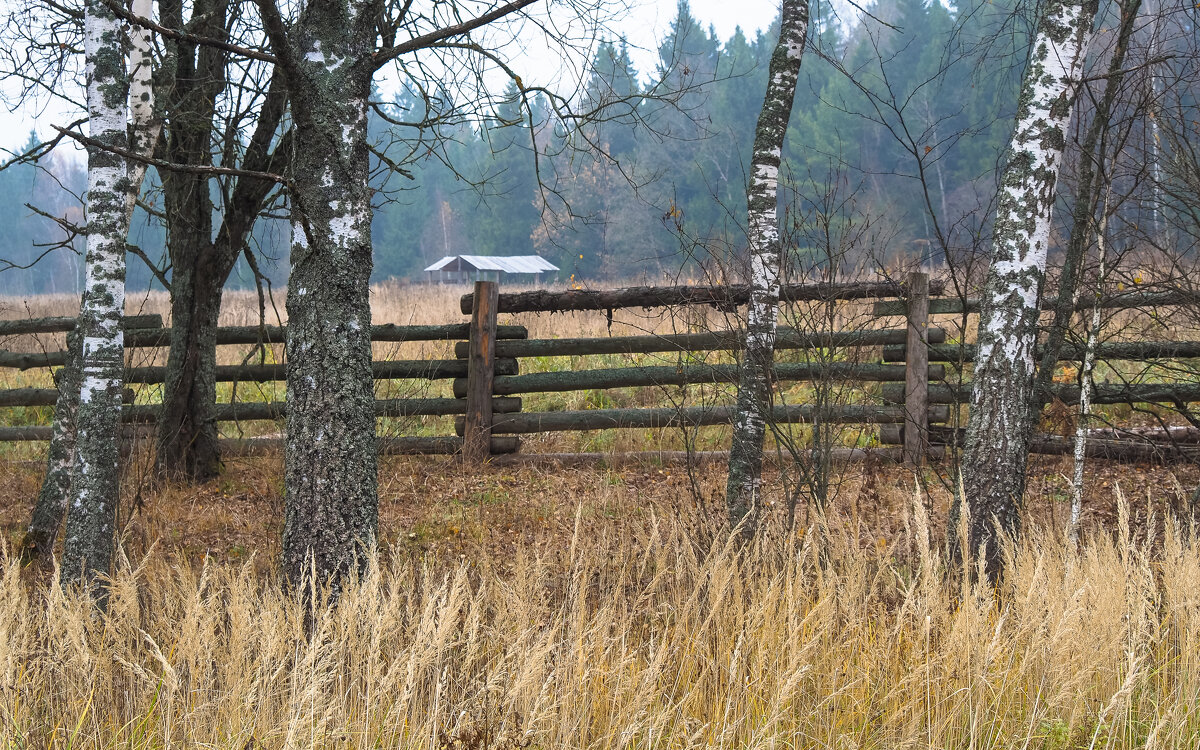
x=543 y=300
x=388 y=446
x=786 y=338
x=416 y=369
x=39 y=433
x=396 y=407
x=1132 y=350
x=42 y=397
x=63 y=324
x=150 y=338
x=694 y=416
x=1119 y=301
x=657 y=458
x=1105 y=393
x=633 y=377
x=274 y=445
x=252 y=411
x=25 y=434
x=890 y=434
x=1056 y=445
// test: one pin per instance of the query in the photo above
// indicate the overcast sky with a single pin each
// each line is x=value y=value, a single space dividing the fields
x=647 y=24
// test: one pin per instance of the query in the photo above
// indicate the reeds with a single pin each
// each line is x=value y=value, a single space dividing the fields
x=636 y=640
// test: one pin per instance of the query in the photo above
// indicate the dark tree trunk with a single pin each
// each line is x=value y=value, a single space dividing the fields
x=331 y=510
x=1083 y=218
x=186 y=439
x=187 y=432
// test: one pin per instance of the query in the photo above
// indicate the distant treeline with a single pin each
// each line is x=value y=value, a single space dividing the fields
x=923 y=92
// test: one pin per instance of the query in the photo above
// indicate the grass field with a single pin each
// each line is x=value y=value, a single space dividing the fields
x=549 y=607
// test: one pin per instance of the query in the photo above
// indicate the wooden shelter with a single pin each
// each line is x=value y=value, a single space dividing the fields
x=463 y=269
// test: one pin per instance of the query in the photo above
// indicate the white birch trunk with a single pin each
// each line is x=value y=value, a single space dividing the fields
x=754 y=384
x=95 y=475
x=51 y=504
x=144 y=124
x=1085 y=389
x=998 y=426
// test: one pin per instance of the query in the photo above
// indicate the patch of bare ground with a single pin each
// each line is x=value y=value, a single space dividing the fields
x=436 y=509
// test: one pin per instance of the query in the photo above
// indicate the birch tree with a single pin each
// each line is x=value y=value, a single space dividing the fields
x=95 y=473
x=998 y=426
x=331 y=511
x=754 y=379
x=51 y=505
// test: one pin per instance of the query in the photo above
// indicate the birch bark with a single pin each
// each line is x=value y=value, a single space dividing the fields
x=331 y=509
x=754 y=381
x=95 y=474
x=998 y=426
x=51 y=505
x=1086 y=386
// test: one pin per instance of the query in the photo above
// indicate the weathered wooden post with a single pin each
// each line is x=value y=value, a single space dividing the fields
x=481 y=370
x=916 y=370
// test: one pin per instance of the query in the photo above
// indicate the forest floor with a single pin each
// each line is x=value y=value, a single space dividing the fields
x=435 y=509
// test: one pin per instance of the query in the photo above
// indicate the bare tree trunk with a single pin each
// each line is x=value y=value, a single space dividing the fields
x=51 y=504
x=331 y=510
x=1091 y=174
x=95 y=476
x=186 y=433
x=1086 y=387
x=998 y=426
x=186 y=446
x=754 y=383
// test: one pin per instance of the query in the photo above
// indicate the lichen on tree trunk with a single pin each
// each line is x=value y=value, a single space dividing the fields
x=186 y=439
x=51 y=505
x=754 y=383
x=95 y=476
x=998 y=431
x=331 y=507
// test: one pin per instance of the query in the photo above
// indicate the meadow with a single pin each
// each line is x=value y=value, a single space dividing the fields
x=598 y=606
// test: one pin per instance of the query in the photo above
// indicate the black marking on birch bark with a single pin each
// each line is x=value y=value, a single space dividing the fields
x=754 y=386
x=998 y=427
x=51 y=505
x=87 y=550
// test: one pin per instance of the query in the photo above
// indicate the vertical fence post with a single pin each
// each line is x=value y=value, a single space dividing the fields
x=916 y=370
x=481 y=370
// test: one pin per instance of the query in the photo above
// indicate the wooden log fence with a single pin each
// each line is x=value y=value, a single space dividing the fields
x=907 y=370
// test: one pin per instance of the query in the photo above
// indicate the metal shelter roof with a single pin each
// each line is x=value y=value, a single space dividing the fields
x=507 y=264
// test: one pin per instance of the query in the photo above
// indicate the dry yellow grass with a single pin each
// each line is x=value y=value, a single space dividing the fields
x=550 y=609
x=624 y=641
